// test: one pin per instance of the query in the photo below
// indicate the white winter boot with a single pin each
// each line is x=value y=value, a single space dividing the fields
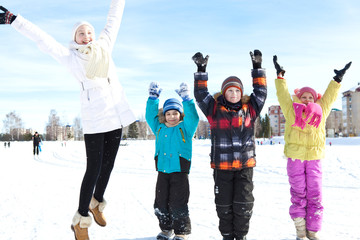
x=312 y=235
x=97 y=208
x=80 y=226
x=165 y=235
x=300 y=225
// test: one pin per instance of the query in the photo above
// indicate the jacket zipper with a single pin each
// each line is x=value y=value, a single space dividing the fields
x=157 y=135
x=182 y=134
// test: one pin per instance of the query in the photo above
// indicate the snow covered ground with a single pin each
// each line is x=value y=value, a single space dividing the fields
x=39 y=197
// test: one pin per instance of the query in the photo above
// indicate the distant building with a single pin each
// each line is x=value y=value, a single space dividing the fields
x=351 y=111
x=277 y=120
x=334 y=123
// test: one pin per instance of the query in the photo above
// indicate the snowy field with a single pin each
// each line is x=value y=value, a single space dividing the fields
x=40 y=197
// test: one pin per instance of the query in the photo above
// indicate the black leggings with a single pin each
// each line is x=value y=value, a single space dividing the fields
x=101 y=150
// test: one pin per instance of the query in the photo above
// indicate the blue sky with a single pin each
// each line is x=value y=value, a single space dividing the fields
x=157 y=39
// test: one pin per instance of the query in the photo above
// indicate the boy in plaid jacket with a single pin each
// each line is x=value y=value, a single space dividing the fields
x=232 y=117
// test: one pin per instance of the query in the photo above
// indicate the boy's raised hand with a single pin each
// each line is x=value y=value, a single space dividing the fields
x=184 y=92
x=200 y=61
x=340 y=73
x=279 y=69
x=6 y=17
x=256 y=58
x=154 y=90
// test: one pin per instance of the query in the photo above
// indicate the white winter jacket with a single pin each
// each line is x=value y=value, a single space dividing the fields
x=104 y=106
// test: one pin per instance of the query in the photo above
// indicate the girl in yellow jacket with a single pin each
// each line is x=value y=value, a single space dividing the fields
x=305 y=114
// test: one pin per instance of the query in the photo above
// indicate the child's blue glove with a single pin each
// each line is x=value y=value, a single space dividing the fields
x=184 y=92
x=154 y=90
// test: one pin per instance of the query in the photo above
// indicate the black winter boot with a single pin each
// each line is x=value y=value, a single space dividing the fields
x=240 y=238
x=228 y=238
x=165 y=235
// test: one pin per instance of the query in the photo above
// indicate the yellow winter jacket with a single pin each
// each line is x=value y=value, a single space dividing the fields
x=307 y=143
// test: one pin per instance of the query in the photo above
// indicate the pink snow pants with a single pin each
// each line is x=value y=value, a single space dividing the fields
x=305 y=180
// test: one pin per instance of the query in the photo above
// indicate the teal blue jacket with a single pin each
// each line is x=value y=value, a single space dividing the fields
x=173 y=145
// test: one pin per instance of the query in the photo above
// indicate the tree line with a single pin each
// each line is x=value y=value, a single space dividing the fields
x=13 y=129
x=55 y=129
x=140 y=129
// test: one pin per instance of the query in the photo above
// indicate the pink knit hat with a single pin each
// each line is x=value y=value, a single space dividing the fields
x=300 y=92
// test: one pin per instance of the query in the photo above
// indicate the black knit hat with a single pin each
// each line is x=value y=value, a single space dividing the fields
x=232 y=81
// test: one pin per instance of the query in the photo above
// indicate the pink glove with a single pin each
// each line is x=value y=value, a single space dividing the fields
x=314 y=111
x=299 y=108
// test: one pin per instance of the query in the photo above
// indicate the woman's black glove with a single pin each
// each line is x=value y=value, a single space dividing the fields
x=256 y=59
x=200 y=61
x=6 y=17
x=340 y=73
x=279 y=69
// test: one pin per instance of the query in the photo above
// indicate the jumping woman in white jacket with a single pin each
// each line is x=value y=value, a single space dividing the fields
x=105 y=110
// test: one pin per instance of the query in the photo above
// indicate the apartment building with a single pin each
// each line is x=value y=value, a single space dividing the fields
x=334 y=123
x=351 y=111
x=277 y=120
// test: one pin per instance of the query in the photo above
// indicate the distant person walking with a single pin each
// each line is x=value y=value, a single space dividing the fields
x=36 y=141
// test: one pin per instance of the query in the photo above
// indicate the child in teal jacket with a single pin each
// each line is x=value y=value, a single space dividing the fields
x=174 y=127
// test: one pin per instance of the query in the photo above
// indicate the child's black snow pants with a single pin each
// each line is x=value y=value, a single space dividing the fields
x=101 y=150
x=234 y=201
x=171 y=202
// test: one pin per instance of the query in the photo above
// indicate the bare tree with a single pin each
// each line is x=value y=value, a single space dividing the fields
x=258 y=127
x=53 y=127
x=13 y=125
x=142 y=127
x=78 y=131
x=203 y=130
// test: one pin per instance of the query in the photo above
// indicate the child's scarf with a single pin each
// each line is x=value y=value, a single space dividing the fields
x=98 y=59
x=312 y=110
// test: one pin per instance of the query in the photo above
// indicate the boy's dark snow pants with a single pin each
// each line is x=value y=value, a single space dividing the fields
x=171 y=202
x=234 y=201
x=101 y=150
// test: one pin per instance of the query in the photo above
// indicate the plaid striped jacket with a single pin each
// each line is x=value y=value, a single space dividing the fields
x=232 y=130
